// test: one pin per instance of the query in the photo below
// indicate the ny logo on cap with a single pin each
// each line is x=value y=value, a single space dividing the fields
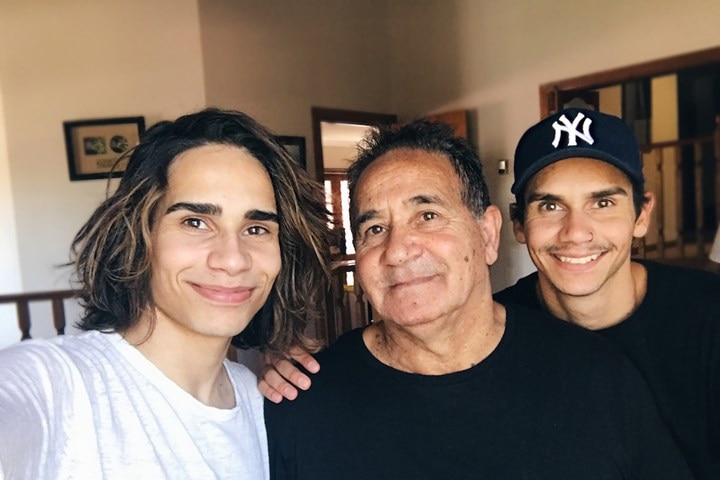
x=572 y=130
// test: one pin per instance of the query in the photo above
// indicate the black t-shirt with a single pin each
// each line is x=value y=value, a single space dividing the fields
x=552 y=401
x=673 y=338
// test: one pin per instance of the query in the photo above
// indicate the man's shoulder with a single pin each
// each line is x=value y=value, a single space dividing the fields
x=667 y=272
x=342 y=367
x=688 y=286
x=57 y=361
x=523 y=292
x=48 y=351
x=347 y=346
x=544 y=334
x=45 y=371
x=540 y=322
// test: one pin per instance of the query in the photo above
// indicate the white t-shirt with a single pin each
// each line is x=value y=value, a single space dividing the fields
x=91 y=406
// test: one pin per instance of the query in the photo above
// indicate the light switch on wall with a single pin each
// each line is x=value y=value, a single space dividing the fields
x=503 y=166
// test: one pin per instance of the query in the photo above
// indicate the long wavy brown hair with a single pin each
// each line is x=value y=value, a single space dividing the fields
x=111 y=252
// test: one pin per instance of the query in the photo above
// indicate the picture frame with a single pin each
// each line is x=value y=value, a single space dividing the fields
x=94 y=146
x=295 y=146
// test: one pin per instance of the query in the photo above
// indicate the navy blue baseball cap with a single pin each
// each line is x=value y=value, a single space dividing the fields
x=576 y=132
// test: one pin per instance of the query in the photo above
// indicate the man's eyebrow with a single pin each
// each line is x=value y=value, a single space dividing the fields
x=199 y=208
x=213 y=209
x=544 y=197
x=609 y=192
x=262 y=216
x=367 y=216
x=427 y=199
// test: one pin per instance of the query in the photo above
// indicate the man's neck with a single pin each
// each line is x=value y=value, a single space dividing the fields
x=193 y=362
x=615 y=301
x=441 y=347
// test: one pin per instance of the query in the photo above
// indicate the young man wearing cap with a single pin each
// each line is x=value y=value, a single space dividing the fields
x=580 y=198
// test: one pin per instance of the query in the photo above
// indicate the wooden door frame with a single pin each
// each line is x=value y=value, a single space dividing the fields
x=605 y=78
x=322 y=114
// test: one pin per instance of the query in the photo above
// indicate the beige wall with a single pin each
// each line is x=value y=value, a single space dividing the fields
x=275 y=59
x=10 y=278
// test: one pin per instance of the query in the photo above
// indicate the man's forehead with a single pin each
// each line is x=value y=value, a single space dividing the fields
x=221 y=175
x=574 y=164
x=420 y=165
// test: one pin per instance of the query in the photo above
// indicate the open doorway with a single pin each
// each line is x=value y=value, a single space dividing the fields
x=336 y=134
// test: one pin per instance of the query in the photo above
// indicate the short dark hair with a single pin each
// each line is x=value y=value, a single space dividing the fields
x=111 y=251
x=519 y=208
x=432 y=137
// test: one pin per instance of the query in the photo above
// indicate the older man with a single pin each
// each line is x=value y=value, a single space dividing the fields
x=581 y=201
x=450 y=384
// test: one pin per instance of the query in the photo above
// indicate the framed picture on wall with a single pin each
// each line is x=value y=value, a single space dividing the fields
x=94 y=146
x=295 y=146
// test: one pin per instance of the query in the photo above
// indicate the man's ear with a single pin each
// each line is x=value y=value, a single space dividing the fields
x=491 y=224
x=642 y=223
x=517 y=226
x=513 y=210
x=519 y=231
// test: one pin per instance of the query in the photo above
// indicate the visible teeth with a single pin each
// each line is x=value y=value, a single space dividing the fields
x=578 y=260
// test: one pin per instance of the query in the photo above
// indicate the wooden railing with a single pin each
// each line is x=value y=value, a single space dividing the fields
x=671 y=167
x=22 y=303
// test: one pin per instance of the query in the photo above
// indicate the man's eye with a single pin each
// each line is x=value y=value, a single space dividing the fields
x=374 y=230
x=429 y=216
x=195 y=223
x=604 y=203
x=548 y=206
x=257 y=230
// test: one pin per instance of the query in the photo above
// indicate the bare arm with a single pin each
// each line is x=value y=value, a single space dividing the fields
x=281 y=379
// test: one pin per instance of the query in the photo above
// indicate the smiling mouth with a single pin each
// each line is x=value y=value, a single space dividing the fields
x=229 y=295
x=578 y=260
x=411 y=282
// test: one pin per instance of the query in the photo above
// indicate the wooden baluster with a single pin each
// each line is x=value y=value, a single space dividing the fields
x=346 y=316
x=699 y=220
x=660 y=202
x=23 y=313
x=58 y=310
x=679 y=201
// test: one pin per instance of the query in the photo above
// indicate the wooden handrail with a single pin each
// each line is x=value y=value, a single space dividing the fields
x=646 y=147
x=22 y=304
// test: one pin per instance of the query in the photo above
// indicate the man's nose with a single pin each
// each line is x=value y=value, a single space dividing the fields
x=229 y=254
x=402 y=244
x=577 y=227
